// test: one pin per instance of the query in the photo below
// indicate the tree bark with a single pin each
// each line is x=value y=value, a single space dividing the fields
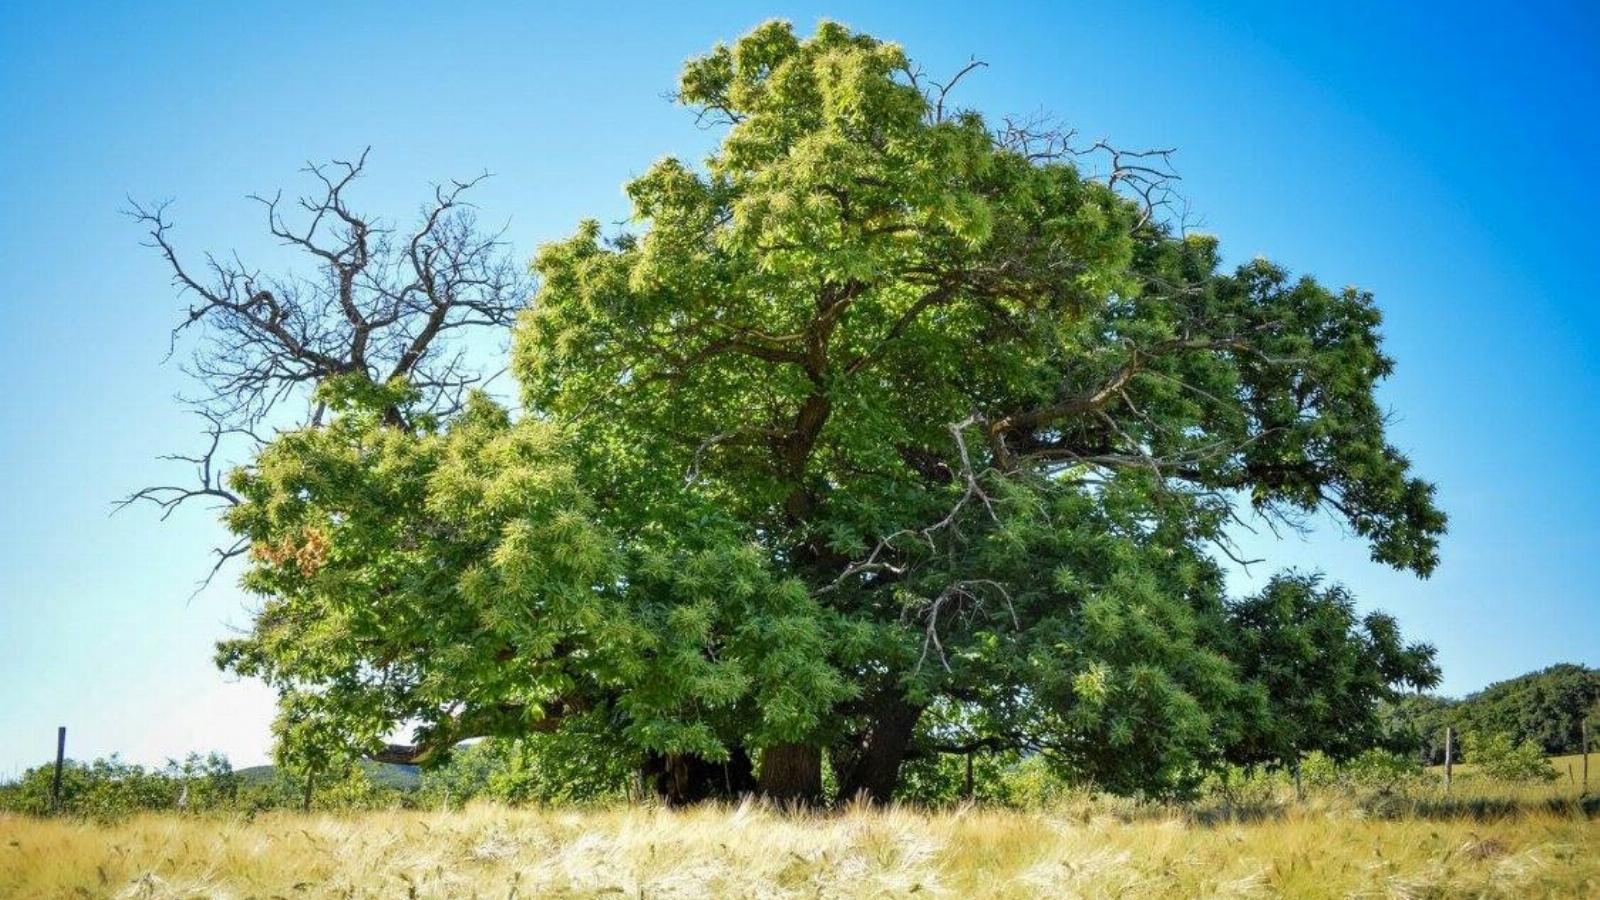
x=869 y=766
x=792 y=773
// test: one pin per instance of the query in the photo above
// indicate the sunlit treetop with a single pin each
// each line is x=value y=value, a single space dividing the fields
x=856 y=269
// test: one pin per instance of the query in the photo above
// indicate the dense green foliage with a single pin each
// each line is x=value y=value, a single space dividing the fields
x=110 y=788
x=1546 y=708
x=1320 y=669
x=882 y=435
x=1501 y=758
x=1416 y=723
x=534 y=769
x=509 y=772
x=106 y=788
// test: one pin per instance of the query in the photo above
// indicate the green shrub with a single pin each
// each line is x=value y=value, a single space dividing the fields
x=1498 y=756
x=941 y=778
x=106 y=789
x=555 y=768
x=110 y=788
x=1033 y=783
x=1382 y=769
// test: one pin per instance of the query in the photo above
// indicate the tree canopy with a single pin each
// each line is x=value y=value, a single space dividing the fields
x=1320 y=671
x=881 y=409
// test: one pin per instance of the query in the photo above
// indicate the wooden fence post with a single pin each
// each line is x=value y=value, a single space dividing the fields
x=61 y=755
x=1586 y=756
x=1449 y=751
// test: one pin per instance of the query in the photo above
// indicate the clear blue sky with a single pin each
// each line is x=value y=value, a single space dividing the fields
x=1442 y=158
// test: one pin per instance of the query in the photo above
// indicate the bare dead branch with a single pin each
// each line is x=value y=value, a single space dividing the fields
x=941 y=92
x=373 y=302
x=1145 y=176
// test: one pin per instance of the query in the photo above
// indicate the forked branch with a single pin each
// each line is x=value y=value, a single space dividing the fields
x=373 y=302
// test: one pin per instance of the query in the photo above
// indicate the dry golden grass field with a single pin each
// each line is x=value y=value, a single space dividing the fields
x=1516 y=844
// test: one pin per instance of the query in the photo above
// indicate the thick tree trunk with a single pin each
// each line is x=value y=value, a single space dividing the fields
x=869 y=766
x=678 y=779
x=792 y=773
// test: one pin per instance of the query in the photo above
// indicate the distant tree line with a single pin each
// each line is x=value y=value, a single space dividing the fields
x=110 y=787
x=1546 y=708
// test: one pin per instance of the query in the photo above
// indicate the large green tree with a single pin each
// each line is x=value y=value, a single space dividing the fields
x=883 y=408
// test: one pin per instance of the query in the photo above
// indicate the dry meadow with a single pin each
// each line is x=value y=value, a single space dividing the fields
x=1517 y=845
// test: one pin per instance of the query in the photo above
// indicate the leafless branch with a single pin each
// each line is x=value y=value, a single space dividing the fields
x=1145 y=176
x=373 y=301
x=208 y=480
x=941 y=91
